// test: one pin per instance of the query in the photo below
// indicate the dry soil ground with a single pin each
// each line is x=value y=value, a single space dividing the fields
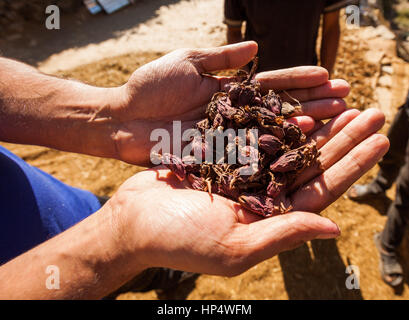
x=315 y=270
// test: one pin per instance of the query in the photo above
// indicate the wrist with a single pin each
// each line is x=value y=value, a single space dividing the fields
x=132 y=134
x=117 y=252
x=87 y=119
x=128 y=236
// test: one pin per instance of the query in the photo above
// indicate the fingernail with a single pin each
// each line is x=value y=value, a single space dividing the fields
x=335 y=227
x=333 y=231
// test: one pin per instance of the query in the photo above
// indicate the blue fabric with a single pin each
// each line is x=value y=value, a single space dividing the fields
x=34 y=206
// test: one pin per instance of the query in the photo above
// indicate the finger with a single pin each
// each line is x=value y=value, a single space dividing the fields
x=305 y=123
x=322 y=109
x=343 y=139
x=226 y=57
x=268 y=237
x=361 y=127
x=318 y=125
x=331 y=89
x=330 y=185
x=293 y=78
x=329 y=130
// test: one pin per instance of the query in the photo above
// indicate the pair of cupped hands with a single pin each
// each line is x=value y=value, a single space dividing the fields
x=164 y=223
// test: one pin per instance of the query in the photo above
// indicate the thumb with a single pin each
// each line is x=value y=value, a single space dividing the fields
x=226 y=57
x=271 y=236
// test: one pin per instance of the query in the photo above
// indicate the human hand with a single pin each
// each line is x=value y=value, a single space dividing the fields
x=177 y=87
x=165 y=223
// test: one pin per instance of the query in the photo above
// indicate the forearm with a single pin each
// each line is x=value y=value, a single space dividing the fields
x=329 y=52
x=43 y=110
x=92 y=259
x=330 y=41
x=234 y=35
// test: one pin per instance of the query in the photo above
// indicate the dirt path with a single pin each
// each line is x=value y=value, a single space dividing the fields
x=154 y=25
x=313 y=271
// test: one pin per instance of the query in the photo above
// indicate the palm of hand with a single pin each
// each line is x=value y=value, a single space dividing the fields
x=182 y=220
x=193 y=231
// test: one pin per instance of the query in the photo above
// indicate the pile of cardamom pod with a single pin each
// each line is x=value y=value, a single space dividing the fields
x=276 y=149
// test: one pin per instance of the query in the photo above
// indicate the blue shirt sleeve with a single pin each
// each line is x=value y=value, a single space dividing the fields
x=34 y=206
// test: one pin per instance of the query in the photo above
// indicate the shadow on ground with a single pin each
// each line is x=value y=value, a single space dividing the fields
x=78 y=29
x=381 y=203
x=318 y=273
x=181 y=292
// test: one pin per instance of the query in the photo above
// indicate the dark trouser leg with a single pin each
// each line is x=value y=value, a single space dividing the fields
x=154 y=279
x=398 y=213
x=391 y=163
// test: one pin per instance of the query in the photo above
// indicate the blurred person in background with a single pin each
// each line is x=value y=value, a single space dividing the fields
x=286 y=31
x=393 y=167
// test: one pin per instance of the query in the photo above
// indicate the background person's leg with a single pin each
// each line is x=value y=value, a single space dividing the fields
x=398 y=213
x=391 y=163
x=34 y=206
x=391 y=237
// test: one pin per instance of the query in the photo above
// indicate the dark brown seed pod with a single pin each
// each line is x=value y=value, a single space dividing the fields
x=295 y=160
x=260 y=204
x=269 y=144
x=175 y=164
x=272 y=102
